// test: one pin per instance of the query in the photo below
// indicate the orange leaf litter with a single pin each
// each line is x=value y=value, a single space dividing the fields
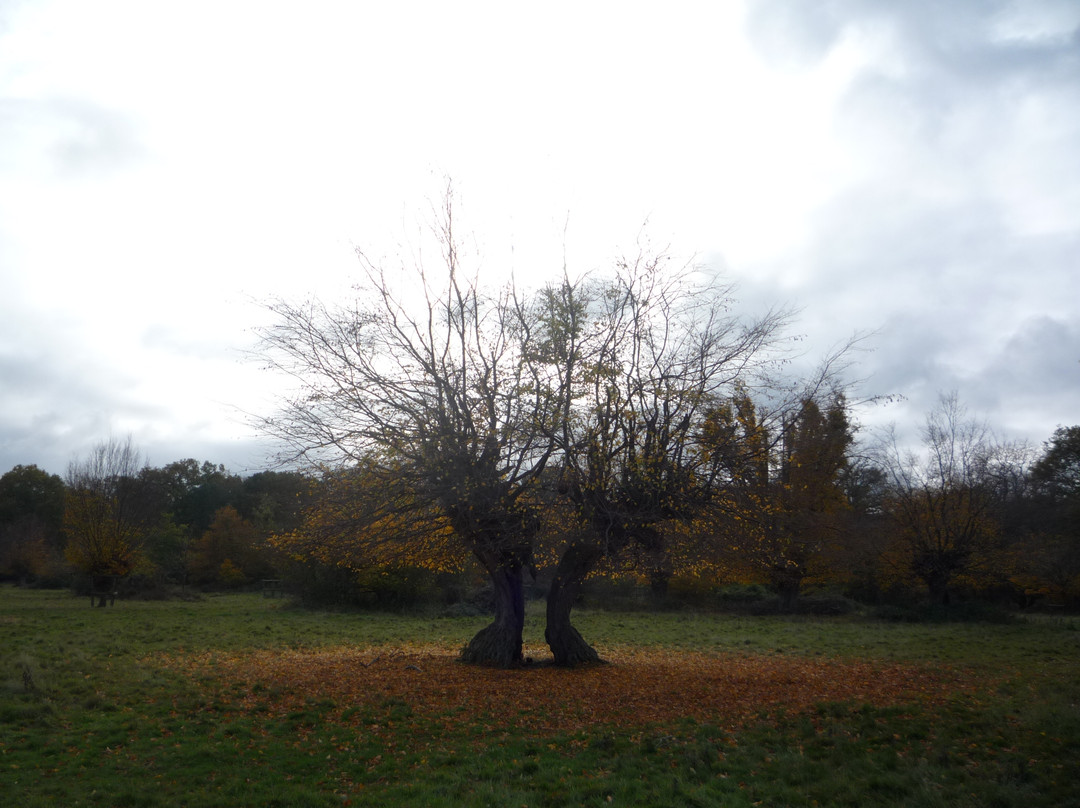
x=639 y=687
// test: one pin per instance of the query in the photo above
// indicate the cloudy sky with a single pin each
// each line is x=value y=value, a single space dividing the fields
x=911 y=169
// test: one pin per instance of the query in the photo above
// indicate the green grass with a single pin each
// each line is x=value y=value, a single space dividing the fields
x=88 y=718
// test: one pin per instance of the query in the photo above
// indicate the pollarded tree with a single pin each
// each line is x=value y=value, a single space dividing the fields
x=431 y=381
x=657 y=349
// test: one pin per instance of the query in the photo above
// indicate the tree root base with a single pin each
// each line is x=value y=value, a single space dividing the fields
x=570 y=649
x=494 y=646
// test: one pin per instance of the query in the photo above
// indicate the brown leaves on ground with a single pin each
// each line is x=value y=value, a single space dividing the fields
x=638 y=687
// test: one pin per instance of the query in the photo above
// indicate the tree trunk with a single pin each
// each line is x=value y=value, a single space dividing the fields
x=500 y=643
x=786 y=583
x=937 y=573
x=659 y=577
x=939 y=590
x=566 y=643
x=789 y=598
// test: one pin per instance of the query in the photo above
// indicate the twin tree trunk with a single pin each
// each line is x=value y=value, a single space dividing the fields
x=500 y=644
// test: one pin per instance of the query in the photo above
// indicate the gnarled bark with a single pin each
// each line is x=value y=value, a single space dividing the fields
x=566 y=643
x=500 y=643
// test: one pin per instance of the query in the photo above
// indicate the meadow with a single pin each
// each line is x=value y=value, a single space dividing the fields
x=243 y=700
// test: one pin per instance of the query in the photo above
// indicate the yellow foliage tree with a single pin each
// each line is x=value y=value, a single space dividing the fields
x=229 y=552
x=779 y=502
x=365 y=516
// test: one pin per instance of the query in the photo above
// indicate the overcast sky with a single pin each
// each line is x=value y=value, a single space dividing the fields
x=907 y=168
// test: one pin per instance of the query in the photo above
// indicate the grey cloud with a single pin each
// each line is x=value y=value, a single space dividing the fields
x=1040 y=362
x=56 y=396
x=957 y=301
x=1026 y=388
x=799 y=33
x=957 y=235
x=93 y=139
x=51 y=411
x=949 y=99
x=794 y=34
x=66 y=138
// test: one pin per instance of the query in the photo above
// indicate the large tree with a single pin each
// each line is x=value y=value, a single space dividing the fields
x=438 y=387
x=472 y=415
x=367 y=516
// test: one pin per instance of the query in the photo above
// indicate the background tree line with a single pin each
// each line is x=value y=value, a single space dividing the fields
x=112 y=515
x=968 y=517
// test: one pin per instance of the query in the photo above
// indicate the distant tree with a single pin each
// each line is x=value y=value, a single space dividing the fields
x=28 y=493
x=779 y=500
x=945 y=500
x=1057 y=473
x=207 y=490
x=191 y=492
x=105 y=514
x=865 y=536
x=274 y=501
x=31 y=521
x=229 y=552
x=1050 y=552
x=182 y=499
x=166 y=547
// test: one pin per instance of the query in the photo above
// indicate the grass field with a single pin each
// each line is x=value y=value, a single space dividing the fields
x=239 y=700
